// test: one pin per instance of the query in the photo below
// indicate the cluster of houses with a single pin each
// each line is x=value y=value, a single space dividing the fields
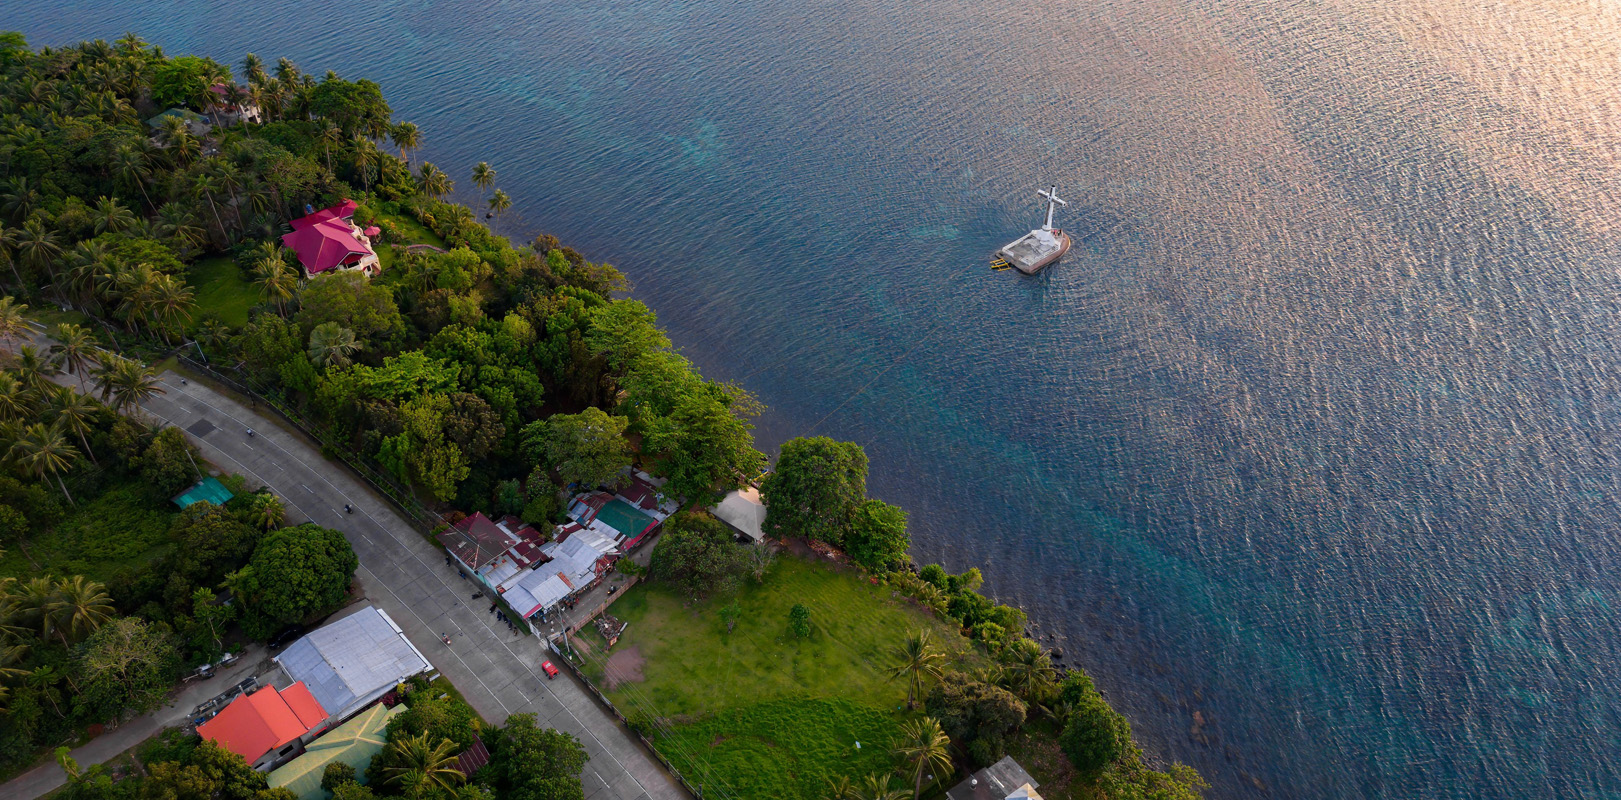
x=325 y=702
x=536 y=571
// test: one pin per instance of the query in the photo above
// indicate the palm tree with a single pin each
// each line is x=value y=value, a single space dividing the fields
x=128 y=383
x=875 y=787
x=80 y=607
x=112 y=216
x=407 y=137
x=35 y=369
x=44 y=449
x=923 y=749
x=229 y=179
x=435 y=183
x=277 y=282
x=8 y=240
x=1027 y=671
x=331 y=135
x=13 y=325
x=75 y=348
x=177 y=135
x=21 y=198
x=16 y=401
x=483 y=175
x=365 y=155
x=331 y=345
x=75 y=412
x=30 y=603
x=500 y=202
x=38 y=247
x=916 y=659
x=171 y=303
x=267 y=512
x=203 y=186
x=130 y=168
x=178 y=223
x=417 y=764
x=253 y=70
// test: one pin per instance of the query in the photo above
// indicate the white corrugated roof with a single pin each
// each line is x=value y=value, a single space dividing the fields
x=349 y=661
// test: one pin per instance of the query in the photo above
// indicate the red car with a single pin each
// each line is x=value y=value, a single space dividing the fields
x=549 y=668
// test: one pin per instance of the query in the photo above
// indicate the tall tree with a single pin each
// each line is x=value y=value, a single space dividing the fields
x=112 y=216
x=434 y=182
x=924 y=749
x=331 y=345
x=816 y=487
x=75 y=412
x=13 y=325
x=483 y=175
x=74 y=350
x=295 y=573
x=44 y=450
x=79 y=607
x=916 y=660
x=500 y=202
x=588 y=448
x=407 y=136
x=421 y=763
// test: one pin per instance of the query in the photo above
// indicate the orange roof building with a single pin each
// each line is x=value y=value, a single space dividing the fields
x=259 y=724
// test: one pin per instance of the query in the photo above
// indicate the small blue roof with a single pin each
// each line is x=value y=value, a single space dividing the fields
x=206 y=489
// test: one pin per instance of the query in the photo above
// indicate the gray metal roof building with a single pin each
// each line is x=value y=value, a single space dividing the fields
x=353 y=661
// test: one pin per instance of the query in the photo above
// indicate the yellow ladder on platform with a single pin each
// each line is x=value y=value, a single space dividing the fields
x=998 y=264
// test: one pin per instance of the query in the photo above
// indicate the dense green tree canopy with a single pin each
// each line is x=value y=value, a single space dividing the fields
x=816 y=487
x=1094 y=736
x=127 y=667
x=528 y=762
x=587 y=448
x=295 y=573
x=877 y=536
x=350 y=300
x=184 y=81
x=357 y=107
x=696 y=552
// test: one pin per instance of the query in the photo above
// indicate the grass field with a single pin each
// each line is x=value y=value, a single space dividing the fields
x=221 y=291
x=50 y=316
x=759 y=713
x=122 y=526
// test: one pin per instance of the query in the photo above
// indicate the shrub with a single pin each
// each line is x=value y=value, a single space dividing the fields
x=799 y=620
x=1095 y=735
x=337 y=774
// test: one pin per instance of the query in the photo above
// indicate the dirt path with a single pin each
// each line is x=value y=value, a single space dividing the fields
x=624 y=666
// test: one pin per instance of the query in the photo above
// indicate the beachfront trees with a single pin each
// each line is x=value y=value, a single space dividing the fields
x=1094 y=734
x=877 y=537
x=978 y=716
x=434 y=182
x=916 y=660
x=354 y=106
x=483 y=175
x=500 y=202
x=815 y=489
x=923 y=750
x=704 y=444
x=697 y=554
x=406 y=136
x=1027 y=670
x=184 y=81
x=587 y=448
x=295 y=573
x=528 y=762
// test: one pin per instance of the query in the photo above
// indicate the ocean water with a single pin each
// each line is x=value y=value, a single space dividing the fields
x=1307 y=451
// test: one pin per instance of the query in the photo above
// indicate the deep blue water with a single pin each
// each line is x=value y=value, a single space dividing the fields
x=1307 y=450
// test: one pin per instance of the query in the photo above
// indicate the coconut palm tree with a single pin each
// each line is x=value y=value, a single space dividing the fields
x=331 y=135
x=13 y=325
x=130 y=168
x=416 y=764
x=38 y=247
x=177 y=135
x=267 y=512
x=74 y=350
x=253 y=70
x=365 y=157
x=916 y=659
x=229 y=179
x=30 y=603
x=331 y=345
x=177 y=222
x=500 y=202
x=876 y=787
x=277 y=282
x=21 y=197
x=406 y=136
x=35 y=369
x=78 y=608
x=203 y=187
x=16 y=401
x=1027 y=671
x=923 y=749
x=435 y=183
x=171 y=304
x=112 y=216
x=483 y=175
x=8 y=241
x=44 y=449
x=128 y=383
x=75 y=412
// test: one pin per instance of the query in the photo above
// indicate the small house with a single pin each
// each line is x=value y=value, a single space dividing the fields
x=1004 y=780
x=329 y=240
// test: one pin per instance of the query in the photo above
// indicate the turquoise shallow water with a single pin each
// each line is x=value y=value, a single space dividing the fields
x=1306 y=451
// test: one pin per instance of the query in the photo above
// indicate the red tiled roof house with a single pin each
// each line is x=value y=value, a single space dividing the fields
x=328 y=240
x=267 y=726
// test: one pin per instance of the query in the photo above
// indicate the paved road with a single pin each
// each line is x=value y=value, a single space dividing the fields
x=497 y=671
x=48 y=776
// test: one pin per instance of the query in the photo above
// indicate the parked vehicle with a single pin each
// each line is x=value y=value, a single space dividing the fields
x=549 y=668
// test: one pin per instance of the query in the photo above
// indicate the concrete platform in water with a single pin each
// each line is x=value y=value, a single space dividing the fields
x=1041 y=247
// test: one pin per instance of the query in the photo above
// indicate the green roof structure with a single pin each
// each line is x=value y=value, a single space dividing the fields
x=206 y=489
x=191 y=117
x=354 y=743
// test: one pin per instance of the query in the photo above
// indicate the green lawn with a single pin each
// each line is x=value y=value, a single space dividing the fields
x=759 y=711
x=124 y=525
x=50 y=316
x=221 y=291
x=413 y=231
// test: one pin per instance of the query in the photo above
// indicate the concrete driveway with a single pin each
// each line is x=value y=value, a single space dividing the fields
x=403 y=573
